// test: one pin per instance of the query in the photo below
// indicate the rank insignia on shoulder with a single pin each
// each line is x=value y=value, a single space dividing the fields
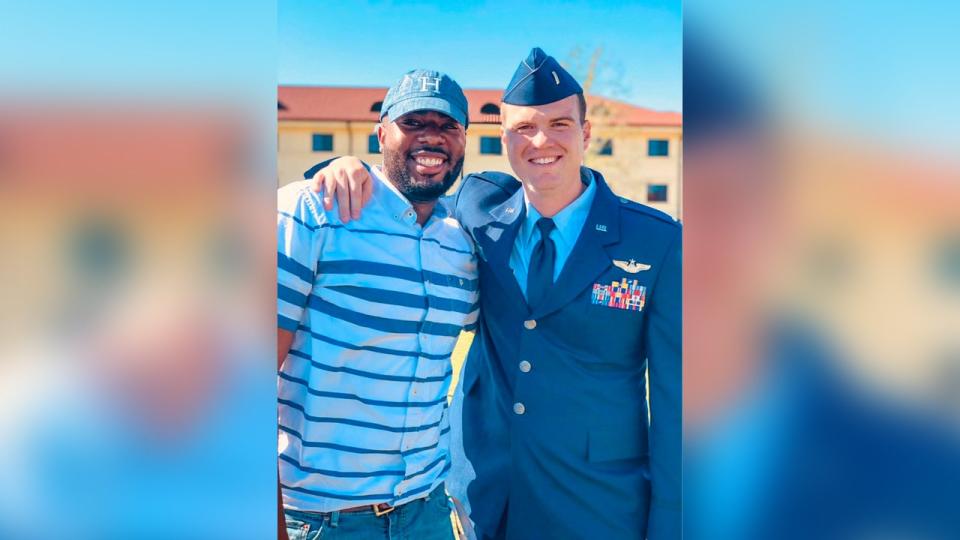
x=631 y=266
x=620 y=295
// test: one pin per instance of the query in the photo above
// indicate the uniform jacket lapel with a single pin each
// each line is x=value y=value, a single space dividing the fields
x=495 y=242
x=589 y=257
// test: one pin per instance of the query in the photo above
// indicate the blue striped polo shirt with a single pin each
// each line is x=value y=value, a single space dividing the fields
x=377 y=305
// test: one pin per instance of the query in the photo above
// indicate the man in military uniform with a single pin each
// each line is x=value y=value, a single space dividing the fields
x=556 y=438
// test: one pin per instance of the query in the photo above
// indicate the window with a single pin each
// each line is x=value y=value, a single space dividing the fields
x=322 y=142
x=373 y=144
x=490 y=145
x=99 y=251
x=658 y=147
x=376 y=107
x=947 y=262
x=604 y=147
x=490 y=108
x=656 y=193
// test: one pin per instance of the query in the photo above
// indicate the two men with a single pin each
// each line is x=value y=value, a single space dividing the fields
x=368 y=315
x=581 y=299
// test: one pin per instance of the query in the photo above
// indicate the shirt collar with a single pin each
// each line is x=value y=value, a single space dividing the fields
x=568 y=221
x=395 y=203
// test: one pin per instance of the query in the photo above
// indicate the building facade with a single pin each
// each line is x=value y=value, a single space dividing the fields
x=639 y=151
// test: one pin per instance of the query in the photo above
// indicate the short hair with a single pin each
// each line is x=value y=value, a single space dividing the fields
x=581 y=106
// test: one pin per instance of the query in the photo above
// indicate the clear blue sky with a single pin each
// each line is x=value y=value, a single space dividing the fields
x=480 y=43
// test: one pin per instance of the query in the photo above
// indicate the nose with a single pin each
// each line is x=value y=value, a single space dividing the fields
x=539 y=139
x=432 y=135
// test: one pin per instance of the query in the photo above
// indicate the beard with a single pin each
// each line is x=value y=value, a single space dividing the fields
x=418 y=189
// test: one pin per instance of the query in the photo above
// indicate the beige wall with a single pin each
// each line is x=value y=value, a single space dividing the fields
x=628 y=171
x=295 y=140
x=473 y=160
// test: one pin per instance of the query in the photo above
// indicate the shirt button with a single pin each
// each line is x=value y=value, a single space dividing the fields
x=525 y=366
x=530 y=324
x=519 y=408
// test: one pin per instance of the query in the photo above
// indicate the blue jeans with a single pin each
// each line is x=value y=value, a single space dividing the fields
x=427 y=518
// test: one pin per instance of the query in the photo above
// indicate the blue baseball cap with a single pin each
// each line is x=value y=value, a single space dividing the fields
x=539 y=80
x=425 y=90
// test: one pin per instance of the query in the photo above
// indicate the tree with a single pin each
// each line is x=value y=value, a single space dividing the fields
x=601 y=78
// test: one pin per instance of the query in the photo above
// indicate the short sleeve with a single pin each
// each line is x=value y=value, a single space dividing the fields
x=299 y=241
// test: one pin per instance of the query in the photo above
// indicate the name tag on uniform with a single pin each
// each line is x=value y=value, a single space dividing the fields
x=629 y=296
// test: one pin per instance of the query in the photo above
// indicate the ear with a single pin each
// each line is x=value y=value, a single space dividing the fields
x=381 y=134
x=503 y=123
x=586 y=134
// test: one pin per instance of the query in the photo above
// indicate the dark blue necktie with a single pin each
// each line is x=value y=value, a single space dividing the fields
x=540 y=272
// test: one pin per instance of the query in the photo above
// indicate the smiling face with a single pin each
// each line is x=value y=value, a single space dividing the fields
x=546 y=144
x=422 y=153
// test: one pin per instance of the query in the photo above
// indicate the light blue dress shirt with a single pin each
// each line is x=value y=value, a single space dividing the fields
x=377 y=305
x=569 y=222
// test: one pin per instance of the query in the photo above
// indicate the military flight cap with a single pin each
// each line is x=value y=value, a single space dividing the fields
x=425 y=90
x=539 y=80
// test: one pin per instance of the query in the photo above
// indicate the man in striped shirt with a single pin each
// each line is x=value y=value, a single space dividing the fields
x=368 y=316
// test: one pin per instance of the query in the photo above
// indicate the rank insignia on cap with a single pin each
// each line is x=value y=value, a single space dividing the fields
x=539 y=80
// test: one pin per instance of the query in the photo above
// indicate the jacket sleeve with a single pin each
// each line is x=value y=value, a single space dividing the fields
x=312 y=171
x=664 y=362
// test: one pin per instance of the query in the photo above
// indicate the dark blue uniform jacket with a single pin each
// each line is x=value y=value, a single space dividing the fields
x=566 y=447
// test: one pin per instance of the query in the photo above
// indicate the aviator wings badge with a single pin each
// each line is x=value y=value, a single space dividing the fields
x=631 y=266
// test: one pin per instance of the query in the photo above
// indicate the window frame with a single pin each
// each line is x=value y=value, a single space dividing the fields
x=499 y=145
x=650 y=147
x=317 y=137
x=650 y=190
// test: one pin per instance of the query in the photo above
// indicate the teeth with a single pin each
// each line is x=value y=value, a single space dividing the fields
x=428 y=162
x=544 y=161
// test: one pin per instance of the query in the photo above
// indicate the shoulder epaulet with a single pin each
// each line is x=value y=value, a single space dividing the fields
x=503 y=180
x=644 y=209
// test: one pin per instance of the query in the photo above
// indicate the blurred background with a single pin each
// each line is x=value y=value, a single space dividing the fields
x=820 y=200
x=822 y=276
x=137 y=197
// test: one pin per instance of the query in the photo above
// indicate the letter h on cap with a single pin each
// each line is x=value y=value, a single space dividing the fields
x=429 y=81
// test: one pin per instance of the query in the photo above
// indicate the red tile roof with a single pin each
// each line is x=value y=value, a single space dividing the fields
x=331 y=103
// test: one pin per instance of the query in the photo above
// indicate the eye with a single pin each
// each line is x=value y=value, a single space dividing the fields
x=451 y=126
x=561 y=124
x=412 y=123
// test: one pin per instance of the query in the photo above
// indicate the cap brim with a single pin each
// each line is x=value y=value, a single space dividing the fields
x=426 y=104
